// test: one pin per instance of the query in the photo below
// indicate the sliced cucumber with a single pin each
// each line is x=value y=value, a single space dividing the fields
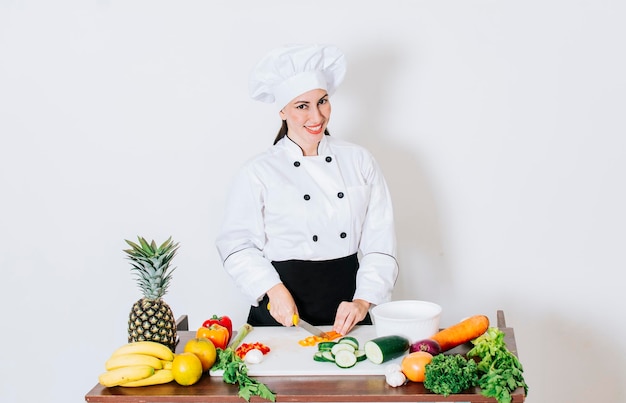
x=385 y=348
x=360 y=355
x=345 y=353
x=328 y=356
x=325 y=345
x=350 y=340
x=342 y=347
x=345 y=359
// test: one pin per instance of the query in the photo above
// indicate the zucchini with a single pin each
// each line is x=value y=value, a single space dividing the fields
x=342 y=347
x=385 y=348
x=325 y=345
x=345 y=359
x=345 y=353
x=349 y=340
x=360 y=355
x=328 y=356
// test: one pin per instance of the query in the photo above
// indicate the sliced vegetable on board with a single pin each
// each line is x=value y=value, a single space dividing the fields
x=310 y=341
x=345 y=358
x=244 y=348
x=345 y=352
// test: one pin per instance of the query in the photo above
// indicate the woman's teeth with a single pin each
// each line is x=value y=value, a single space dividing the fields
x=314 y=129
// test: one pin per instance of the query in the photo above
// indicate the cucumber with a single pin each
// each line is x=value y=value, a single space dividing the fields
x=385 y=348
x=349 y=340
x=345 y=359
x=342 y=347
x=325 y=345
x=360 y=355
x=328 y=356
x=345 y=352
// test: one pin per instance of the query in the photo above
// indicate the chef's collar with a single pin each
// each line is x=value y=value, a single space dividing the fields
x=294 y=148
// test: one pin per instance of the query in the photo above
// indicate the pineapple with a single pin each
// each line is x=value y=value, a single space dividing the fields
x=151 y=318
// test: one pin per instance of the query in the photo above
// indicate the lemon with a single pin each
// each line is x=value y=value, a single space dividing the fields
x=186 y=368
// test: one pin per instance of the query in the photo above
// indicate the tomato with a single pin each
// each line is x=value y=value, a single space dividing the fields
x=414 y=365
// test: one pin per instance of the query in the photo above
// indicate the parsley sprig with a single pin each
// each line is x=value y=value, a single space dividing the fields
x=501 y=371
x=450 y=374
x=236 y=371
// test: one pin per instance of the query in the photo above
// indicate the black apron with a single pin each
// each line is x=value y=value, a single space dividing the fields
x=317 y=287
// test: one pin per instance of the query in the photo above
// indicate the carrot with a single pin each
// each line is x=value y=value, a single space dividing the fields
x=462 y=332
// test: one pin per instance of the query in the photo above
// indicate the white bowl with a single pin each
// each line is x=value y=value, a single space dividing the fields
x=415 y=320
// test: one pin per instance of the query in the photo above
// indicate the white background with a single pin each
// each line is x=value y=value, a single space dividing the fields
x=499 y=126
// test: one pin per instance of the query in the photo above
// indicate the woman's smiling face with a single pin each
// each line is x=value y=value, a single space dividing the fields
x=307 y=116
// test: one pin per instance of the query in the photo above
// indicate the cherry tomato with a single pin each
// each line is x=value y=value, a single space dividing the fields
x=414 y=365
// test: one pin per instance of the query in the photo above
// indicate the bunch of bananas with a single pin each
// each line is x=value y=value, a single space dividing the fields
x=139 y=363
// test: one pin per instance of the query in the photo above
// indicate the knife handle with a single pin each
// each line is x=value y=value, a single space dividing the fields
x=295 y=319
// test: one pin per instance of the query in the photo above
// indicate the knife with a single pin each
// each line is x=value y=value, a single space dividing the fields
x=309 y=327
x=306 y=325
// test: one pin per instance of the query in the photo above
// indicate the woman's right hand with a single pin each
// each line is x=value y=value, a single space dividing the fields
x=282 y=307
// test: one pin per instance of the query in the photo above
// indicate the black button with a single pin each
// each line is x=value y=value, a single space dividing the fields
x=307 y=197
x=343 y=235
x=340 y=195
x=329 y=159
x=314 y=238
x=296 y=164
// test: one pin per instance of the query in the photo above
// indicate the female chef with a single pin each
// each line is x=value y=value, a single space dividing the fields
x=299 y=214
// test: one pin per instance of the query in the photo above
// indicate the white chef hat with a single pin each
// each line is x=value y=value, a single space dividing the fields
x=286 y=72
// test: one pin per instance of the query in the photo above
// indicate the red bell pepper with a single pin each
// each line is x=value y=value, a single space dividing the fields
x=243 y=349
x=222 y=321
x=216 y=333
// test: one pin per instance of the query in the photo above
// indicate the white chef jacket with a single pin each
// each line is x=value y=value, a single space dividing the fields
x=283 y=205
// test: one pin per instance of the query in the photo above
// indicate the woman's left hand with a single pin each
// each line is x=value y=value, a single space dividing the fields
x=349 y=314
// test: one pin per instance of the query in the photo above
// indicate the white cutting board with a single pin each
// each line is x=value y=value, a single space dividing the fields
x=287 y=357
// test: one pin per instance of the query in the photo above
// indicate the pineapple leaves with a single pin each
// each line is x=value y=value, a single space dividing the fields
x=165 y=245
x=151 y=265
x=145 y=246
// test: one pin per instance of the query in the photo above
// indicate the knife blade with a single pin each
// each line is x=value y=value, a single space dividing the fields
x=306 y=325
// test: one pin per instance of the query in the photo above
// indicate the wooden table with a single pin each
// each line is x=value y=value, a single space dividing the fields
x=295 y=388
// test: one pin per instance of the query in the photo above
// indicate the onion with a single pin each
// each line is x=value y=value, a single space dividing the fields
x=254 y=356
x=428 y=345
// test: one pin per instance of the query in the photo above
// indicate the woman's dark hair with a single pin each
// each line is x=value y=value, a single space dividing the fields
x=282 y=132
